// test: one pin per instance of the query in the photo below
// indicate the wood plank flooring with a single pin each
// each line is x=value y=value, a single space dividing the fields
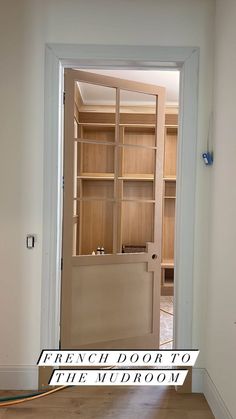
x=111 y=403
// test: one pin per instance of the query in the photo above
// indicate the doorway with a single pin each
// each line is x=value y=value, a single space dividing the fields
x=59 y=57
x=121 y=164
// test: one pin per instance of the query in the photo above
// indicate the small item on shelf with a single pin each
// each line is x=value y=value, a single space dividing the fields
x=98 y=250
x=102 y=251
x=130 y=248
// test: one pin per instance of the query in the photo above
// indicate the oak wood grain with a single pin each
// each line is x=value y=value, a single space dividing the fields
x=112 y=403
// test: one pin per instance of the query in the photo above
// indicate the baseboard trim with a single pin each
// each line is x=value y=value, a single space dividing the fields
x=214 y=398
x=23 y=377
x=197 y=380
x=202 y=383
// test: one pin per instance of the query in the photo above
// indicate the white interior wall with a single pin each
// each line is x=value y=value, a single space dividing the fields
x=27 y=25
x=221 y=324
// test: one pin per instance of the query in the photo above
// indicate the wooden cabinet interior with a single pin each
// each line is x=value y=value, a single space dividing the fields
x=137 y=223
x=170 y=152
x=169 y=187
x=128 y=225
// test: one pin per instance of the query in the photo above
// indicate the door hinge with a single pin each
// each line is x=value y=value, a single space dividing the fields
x=61 y=264
x=64 y=97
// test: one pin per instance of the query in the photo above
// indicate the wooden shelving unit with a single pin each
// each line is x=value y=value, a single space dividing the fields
x=105 y=178
x=115 y=187
x=169 y=196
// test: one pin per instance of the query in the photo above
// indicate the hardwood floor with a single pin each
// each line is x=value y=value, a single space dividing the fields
x=111 y=403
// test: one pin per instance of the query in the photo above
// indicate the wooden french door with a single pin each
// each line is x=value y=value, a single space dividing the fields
x=113 y=168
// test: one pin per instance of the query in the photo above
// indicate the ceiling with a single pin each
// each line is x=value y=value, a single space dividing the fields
x=99 y=95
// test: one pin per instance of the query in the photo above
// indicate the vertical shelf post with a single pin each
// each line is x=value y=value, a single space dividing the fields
x=116 y=172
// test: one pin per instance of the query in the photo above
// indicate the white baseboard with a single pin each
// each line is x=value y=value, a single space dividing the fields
x=197 y=380
x=23 y=377
x=202 y=383
x=214 y=398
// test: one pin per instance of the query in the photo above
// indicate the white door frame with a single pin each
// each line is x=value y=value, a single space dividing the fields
x=57 y=57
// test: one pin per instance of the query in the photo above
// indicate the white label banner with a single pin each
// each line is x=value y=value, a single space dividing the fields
x=127 y=358
x=118 y=377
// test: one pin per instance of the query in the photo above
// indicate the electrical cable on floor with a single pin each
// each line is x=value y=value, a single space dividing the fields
x=21 y=396
x=26 y=398
x=167 y=312
x=171 y=314
x=9 y=401
x=165 y=343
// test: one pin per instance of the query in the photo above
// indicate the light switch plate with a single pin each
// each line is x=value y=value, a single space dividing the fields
x=30 y=241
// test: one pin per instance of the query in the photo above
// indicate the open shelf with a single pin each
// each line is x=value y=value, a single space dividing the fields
x=169 y=178
x=167 y=263
x=138 y=125
x=98 y=132
x=96 y=226
x=138 y=190
x=137 y=162
x=111 y=176
x=97 y=124
x=170 y=152
x=169 y=189
x=95 y=158
x=168 y=276
x=137 y=223
x=138 y=177
x=168 y=230
x=167 y=281
x=138 y=135
x=97 y=176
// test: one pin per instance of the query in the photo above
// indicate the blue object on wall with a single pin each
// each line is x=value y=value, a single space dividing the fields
x=208 y=158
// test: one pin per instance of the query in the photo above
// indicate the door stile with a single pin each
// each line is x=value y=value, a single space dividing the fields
x=158 y=186
x=69 y=174
x=116 y=173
